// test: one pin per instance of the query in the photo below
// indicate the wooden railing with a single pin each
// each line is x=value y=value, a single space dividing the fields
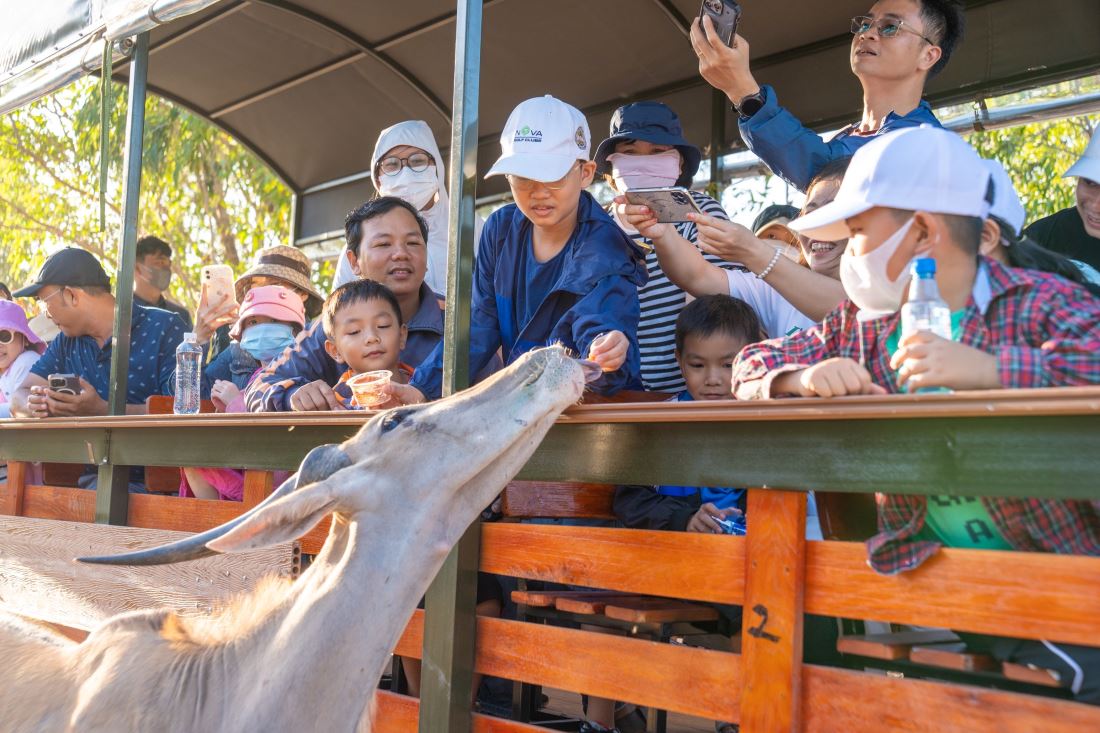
x=1025 y=443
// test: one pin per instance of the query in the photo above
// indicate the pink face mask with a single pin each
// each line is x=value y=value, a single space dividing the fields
x=645 y=171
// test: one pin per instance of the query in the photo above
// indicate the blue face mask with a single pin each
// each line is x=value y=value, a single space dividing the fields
x=265 y=341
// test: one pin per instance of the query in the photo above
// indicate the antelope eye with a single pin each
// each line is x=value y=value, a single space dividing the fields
x=393 y=419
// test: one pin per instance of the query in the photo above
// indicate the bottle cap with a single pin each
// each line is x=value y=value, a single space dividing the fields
x=924 y=267
x=190 y=337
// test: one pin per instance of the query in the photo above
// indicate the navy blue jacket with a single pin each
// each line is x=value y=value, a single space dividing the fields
x=796 y=153
x=597 y=292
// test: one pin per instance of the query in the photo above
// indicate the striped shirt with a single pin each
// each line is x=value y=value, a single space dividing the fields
x=661 y=303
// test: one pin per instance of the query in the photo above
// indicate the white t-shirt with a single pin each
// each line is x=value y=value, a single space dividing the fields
x=13 y=377
x=778 y=317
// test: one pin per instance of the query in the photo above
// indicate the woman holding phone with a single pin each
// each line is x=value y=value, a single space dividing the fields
x=646 y=149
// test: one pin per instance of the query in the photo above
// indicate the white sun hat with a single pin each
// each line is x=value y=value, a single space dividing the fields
x=922 y=168
x=1088 y=165
x=543 y=140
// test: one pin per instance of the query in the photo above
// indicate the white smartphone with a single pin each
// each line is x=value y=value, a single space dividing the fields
x=217 y=284
x=671 y=205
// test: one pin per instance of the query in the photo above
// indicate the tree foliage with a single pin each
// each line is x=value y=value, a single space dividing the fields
x=201 y=191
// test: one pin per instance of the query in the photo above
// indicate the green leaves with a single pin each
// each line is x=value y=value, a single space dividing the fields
x=201 y=191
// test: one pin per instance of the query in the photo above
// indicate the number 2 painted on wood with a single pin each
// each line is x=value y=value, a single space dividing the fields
x=758 y=631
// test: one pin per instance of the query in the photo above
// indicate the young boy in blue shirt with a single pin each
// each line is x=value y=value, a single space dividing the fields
x=710 y=332
x=552 y=267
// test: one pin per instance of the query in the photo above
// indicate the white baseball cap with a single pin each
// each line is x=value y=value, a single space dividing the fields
x=1006 y=204
x=1088 y=165
x=543 y=139
x=922 y=168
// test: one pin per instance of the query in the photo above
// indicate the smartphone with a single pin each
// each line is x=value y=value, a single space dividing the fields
x=217 y=284
x=671 y=205
x=725 y=14
x=65 y=383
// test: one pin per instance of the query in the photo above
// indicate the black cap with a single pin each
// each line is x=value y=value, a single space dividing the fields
x=773 y=212
x=72 y=267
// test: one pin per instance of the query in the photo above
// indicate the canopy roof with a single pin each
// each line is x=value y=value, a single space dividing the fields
x=308 y=84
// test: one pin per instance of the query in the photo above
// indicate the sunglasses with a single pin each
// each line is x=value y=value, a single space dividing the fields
x=6 y=336
x=886 y=27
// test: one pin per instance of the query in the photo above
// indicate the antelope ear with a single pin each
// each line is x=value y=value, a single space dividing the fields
x=283 y=521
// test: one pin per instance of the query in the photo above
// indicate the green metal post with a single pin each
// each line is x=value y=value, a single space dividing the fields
x=446 y=690
x=717 y=141
x=111 y=501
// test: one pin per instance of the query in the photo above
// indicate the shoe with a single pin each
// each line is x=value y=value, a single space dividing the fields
x=590 y=727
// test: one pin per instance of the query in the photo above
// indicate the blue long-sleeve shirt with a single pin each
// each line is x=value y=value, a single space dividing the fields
x=796 y=153
x=595 y=292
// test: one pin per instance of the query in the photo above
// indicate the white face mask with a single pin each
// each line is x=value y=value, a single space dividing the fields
x=418 y=188
x=866 y=282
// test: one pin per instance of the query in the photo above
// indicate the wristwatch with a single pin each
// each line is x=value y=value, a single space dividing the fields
x=750 y=105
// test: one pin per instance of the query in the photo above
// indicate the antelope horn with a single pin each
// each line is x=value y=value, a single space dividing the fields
x=319 y=464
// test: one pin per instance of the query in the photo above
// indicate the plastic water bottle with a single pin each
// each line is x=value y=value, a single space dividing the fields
x=925 y=310
x=188 y=376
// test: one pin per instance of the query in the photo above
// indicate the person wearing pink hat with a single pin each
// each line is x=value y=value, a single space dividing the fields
x=19 y=350
x=271 y=316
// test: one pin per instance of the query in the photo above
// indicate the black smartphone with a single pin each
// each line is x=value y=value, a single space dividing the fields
x=65 y=383
x=726 y=16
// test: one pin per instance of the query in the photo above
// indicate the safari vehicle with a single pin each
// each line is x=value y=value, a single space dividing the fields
x=272 y=72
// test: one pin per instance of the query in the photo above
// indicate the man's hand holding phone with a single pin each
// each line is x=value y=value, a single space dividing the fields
x=48 y=402
x=724 y=67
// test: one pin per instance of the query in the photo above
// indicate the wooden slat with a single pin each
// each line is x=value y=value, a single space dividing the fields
x=258 y=485
x=857 y=702
x=613 y=667
x=149 y=511
x=658 y=611
x=1031 y=595
x=771 y=636
x=411 y=643
x=558 y=499
x=891 y=646
x=398 y=714
x=953 y=656
x=11 y=491
x=1032 y=675
x=547 y=598
x=675 y=564
x=590 y=605
x=62 y=474
x=42 y=580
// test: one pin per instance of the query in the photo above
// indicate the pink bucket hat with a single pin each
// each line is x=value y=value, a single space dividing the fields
x=12 y=318
x=273 y=301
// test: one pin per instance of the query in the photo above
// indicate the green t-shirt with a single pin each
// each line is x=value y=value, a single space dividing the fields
x=956 y=521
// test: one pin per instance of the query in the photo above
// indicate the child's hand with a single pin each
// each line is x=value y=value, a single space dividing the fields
x=609 y=350
x=316 y=396
x=406 y=394
x=835 y=377
x=224 y=392
x=641 y=218
x=703 y=520
x=927 y=360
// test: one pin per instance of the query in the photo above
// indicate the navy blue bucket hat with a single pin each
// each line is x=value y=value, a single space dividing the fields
x=655 y=123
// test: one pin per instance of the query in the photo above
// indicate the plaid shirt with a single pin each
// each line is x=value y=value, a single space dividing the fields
x=1044 y=331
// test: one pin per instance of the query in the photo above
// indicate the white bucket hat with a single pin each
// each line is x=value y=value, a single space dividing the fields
x=543 y=140
x=917 y=169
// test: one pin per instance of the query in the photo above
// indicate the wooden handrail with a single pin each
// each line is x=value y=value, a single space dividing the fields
x=991 y=403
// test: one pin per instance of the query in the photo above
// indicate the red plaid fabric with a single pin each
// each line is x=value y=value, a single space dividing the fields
x=1045 y=332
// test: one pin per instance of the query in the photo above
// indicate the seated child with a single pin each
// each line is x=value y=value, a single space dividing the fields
x=19 y=350
x=365 y=333
x=552 y=267
x=923 y=192
x=270 y=317
x=710 y=331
